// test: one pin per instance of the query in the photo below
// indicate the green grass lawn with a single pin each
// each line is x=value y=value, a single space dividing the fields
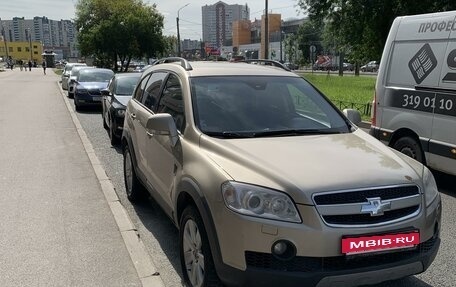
x=346 y=91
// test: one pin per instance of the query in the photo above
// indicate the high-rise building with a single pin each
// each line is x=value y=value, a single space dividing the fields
x=218 y=22
x=53 y=35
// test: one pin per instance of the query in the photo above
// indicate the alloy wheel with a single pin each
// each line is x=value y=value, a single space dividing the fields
x=193 y=254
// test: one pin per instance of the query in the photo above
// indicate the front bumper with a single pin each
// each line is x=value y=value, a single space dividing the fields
x=87 y=99
x=246 y=258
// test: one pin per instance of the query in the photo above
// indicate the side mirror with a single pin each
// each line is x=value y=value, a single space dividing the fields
x=162 y=124
x=353 y=115
x=105 y=92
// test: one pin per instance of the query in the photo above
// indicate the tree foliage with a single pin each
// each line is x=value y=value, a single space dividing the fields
x=118 y=30
x=360 y=27
x=310 y=34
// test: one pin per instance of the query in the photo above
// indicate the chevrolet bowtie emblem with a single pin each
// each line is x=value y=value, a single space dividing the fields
x=375 y=206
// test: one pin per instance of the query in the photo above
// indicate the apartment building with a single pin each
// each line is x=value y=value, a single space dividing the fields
x=53 y=35
x=217 y=21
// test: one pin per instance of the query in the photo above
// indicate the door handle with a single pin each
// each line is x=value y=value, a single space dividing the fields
x=149 y=134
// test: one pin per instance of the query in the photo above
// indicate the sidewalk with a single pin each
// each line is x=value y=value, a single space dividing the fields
x=56 y=225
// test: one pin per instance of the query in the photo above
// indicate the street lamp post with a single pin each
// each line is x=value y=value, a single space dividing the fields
x=30 y=43
x=4 y=41
x=178 y=34
x=266 y=31
x=281 y=46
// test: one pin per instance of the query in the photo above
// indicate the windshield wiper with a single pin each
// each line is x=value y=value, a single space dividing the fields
x=230 y=135
x=296 y=132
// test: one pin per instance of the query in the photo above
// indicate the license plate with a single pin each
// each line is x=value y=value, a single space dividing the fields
x=376 y=243
x=96 y=99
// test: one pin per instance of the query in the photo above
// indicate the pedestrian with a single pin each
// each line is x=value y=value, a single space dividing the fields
x=44 y=66
x=30 y=65
x=24 y=65
x=21 y=64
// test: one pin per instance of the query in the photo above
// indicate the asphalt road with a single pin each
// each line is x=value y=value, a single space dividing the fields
x=161 y=237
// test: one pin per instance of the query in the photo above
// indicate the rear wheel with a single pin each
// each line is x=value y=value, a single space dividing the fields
x=105 y=126
x=133 y=186
x=410 y=147
x=77 y=106
x=196 y=257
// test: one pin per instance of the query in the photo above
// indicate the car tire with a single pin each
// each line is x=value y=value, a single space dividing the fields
x=105 y=126
x=133 y=187
x=112 y=137
x=77 y=106
x=410 y=147
x=195 y=253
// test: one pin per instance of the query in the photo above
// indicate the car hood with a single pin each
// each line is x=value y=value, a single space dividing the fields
x=303 y=165
x=123 y=99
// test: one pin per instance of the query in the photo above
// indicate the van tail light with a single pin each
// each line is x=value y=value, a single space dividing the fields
x=374 y=111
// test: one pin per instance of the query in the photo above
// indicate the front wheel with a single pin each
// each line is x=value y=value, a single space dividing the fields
x=195 y=253
x=112 y=136
x=410 y=147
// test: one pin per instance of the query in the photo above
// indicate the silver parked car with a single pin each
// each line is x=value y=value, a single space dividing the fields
x=66 y=73
x=269 y=184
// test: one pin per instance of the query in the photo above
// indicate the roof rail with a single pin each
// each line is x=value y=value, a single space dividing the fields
x=183 y=62
x=266 y=62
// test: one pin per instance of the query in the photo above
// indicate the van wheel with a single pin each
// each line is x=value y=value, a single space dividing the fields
x=410 y=147
x=133 y=186
x=195 y=254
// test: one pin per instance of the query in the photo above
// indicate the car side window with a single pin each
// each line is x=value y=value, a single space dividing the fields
x=172 y=102
x=152 y=90
x=140 y=89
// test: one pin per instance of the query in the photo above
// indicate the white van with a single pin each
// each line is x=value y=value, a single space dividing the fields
x=414 y=108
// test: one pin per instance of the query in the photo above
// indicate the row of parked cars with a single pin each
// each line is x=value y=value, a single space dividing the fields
x=267 y=181
x=90 y=86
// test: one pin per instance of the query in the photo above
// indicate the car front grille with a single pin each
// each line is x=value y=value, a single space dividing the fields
x=336 y=263
x=95 y=92
x=370 y=206
x=361 y=195
x=357 y=219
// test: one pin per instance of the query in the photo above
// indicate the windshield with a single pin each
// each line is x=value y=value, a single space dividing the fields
x=126 y=85
x=243 y=106
x=91 y=75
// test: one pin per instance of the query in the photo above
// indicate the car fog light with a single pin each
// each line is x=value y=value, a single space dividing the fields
x=279 y=248
x=283 y=250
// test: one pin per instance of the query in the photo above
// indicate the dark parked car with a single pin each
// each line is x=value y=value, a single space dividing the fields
x=114 y=100
x=88 y=86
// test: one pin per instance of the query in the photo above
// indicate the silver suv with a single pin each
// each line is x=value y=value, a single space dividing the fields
x=269 y=184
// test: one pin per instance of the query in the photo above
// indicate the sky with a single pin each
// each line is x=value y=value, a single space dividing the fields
x=190 y=16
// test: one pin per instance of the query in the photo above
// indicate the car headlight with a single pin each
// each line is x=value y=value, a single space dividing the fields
x=430 y=187
x=259 y=202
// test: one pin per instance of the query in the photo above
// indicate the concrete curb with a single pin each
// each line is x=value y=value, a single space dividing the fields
x=147 y=273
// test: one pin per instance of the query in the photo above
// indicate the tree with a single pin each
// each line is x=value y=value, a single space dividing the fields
x=118 y=30
x=360 y=27
x=310 y=34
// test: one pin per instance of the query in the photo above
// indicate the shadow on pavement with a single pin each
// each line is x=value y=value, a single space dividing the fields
x=161 y=226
